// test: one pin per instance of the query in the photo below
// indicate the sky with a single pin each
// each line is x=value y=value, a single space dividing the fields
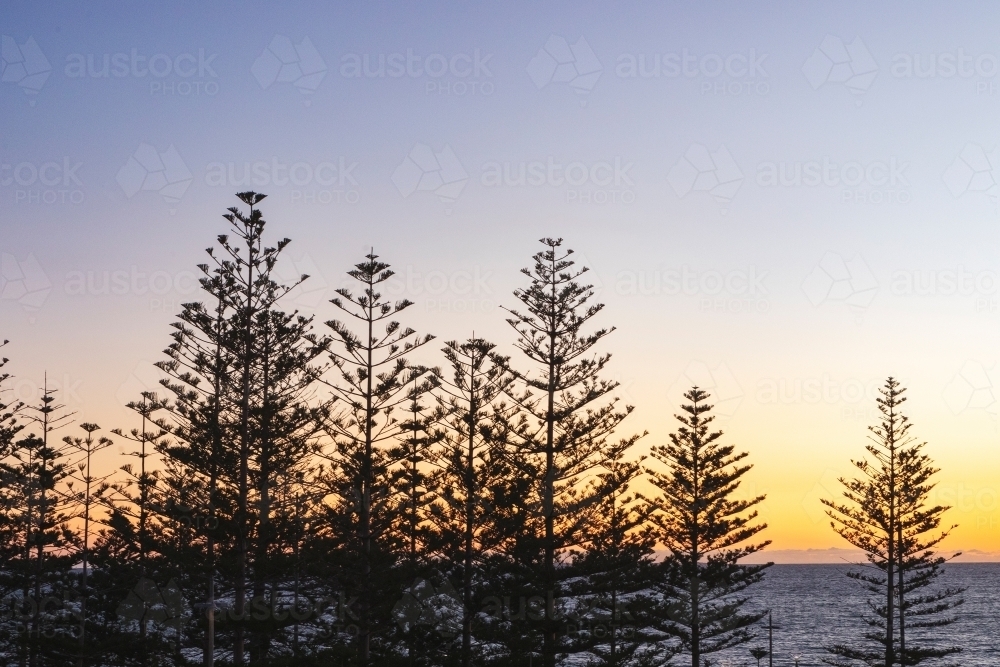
x=783 y=203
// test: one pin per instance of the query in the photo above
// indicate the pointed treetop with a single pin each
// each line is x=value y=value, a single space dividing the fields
x=250 y=198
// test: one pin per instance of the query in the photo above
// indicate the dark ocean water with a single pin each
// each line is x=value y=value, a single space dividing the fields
x=817 y=605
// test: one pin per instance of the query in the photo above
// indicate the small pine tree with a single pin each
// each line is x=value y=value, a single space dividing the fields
x=42 y=472
x=706 y=531
x=84 y=499
x=886 y=515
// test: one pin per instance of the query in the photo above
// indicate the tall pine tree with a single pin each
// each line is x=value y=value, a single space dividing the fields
x=372 y=382
x=572 y=413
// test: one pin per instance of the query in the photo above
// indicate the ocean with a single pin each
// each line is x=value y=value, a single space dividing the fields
x=814 y=606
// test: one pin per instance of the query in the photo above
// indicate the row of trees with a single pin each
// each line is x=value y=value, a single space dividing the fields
x=305 y=495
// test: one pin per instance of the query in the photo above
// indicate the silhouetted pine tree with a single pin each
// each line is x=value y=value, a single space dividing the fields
x=572 y=412
x=83 y=500
x=706 y=530
x=921 y=605
x=13 y=519
x=614 y=569
x=372 y=384
x=9 y=408
x=471 y=465
x=39 y=470
x=245 y=420
x=886 y=516
x=124 y=548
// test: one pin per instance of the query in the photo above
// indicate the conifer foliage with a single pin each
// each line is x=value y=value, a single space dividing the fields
x=347 y=495
x=886 y=512
x=707 y=529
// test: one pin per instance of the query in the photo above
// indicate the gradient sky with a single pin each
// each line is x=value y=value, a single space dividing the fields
x=790 y=298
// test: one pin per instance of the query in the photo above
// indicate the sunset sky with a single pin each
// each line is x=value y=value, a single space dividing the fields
x=783 y=206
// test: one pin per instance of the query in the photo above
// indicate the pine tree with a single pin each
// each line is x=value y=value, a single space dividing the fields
x=128 y=542
x=471 y=465
x=9 y=425
x=93 y=488
x=40 y=470
x=241 y=373
x=919 y=566
x=13 y=515
x=371 y=383
x=615 y=568
x=573 y=411
x=887 y=517
x=706 y=531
